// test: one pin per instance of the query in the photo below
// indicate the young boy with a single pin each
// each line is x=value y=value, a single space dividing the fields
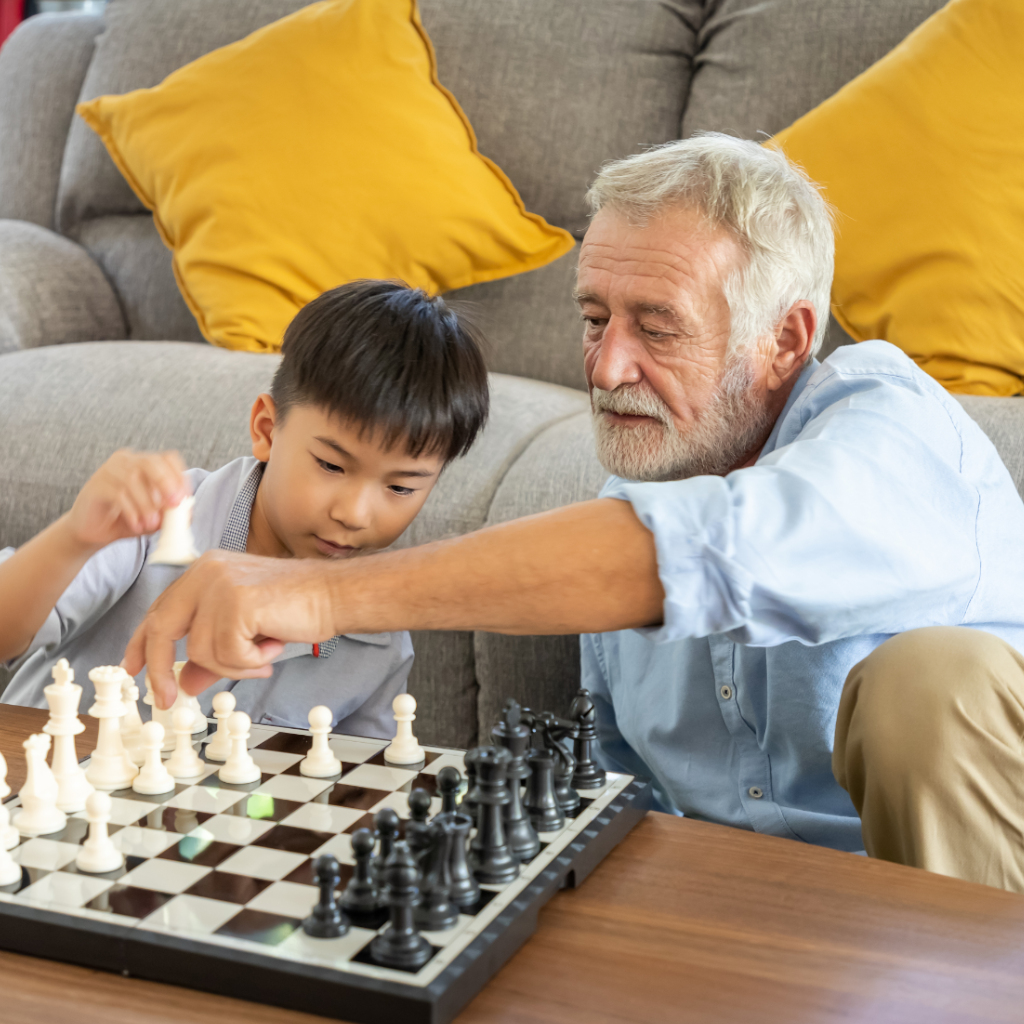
x=379 y=388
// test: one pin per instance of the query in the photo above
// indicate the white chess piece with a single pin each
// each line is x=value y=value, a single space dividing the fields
x=219 y=748
x=154 y=778
x=175 y=545
x=239 y=769
x=109 y=768
x=98 y=854
x=62 y=696
x=39 y=814
x=131 y=724
x=320 y=762
x=9 y=837
x=404 y=748
x=10 y=872
x=166 y=718
x=184 y=763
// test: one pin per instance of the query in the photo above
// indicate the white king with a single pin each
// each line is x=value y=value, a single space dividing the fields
x=63 y=697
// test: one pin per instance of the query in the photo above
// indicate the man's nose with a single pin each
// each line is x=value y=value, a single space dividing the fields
x=617 y=357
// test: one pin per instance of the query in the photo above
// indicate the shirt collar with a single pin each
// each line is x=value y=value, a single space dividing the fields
x=798 y=387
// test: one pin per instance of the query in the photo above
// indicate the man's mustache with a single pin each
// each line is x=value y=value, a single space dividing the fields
x=629 y=400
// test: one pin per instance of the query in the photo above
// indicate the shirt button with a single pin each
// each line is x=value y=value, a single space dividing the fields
x=726 y=692
x=756 y=792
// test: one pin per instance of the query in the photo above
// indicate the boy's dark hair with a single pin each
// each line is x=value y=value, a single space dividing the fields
x=391 y=359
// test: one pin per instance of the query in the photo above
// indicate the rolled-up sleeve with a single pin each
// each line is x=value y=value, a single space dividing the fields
x=858 y=517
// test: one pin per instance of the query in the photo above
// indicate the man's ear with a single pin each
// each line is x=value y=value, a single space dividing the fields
x=262 y=421
x=794 y=337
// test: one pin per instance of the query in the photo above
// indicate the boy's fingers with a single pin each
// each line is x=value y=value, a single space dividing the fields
x=166 y=477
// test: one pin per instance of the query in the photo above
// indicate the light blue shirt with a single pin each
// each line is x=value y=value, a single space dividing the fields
x=357 y=675
x=876 y=506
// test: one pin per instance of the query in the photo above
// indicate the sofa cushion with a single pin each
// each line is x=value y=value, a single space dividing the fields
x=761 y=64
x=1003 y=420
x=42 y=66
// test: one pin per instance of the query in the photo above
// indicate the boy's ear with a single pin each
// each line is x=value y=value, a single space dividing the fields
x=262 y=420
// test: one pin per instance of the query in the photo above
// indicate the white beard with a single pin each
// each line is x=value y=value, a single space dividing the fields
x=726 y=432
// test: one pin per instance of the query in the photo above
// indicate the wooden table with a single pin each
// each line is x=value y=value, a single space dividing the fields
x=684 y=922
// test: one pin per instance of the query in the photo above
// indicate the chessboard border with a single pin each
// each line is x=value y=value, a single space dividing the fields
x=295 y=985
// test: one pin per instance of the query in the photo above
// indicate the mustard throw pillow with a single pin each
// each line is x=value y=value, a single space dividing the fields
x=317 y=150
x=923 y=156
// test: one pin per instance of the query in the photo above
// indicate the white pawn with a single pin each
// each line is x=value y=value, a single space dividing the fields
x=154 y=777
x=404 y=748
x=184 y=763
x=219 y=748
x=239 y=769
x=9 y=837
x=109 y=767
x=320 y=762
x=98 y=854
x=176 y=546
x=10 y=872
x=39 y=814
x=131 y=724
x=62 y=696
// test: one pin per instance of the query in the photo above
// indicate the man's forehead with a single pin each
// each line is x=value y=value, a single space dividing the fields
x=661 y=263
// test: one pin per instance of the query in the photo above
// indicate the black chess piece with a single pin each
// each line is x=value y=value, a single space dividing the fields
x=388 y=826
x=463 y=889
x=327 y=920
x=560 y=730
x=469 y=799
x=361 y=895
x=584 y=713
x=449 y=780
x=540 y=801
x=436 y=911
x=490 y=857
x=417 y=831
x=400 y=944
x=514 y=735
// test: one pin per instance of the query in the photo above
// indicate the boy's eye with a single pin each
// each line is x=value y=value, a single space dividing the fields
x=329 y=466
x=396 y=489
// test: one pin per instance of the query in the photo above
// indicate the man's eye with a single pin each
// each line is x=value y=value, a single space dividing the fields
x=329 y=466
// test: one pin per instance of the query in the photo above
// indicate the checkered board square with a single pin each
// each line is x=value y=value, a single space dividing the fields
x=217 y=879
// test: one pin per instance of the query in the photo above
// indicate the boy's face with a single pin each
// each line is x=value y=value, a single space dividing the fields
x=326 y=491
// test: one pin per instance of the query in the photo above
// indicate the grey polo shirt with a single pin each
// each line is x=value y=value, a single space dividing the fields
x=356 y=675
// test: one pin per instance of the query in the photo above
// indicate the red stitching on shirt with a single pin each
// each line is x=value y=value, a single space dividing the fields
x=316 y=650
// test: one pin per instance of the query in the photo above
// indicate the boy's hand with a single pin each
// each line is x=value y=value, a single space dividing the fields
x=126 y=497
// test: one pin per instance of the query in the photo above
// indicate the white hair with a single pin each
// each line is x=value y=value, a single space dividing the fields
x=772 y=209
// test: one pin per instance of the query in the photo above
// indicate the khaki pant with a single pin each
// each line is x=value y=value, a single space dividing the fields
x=930 y=747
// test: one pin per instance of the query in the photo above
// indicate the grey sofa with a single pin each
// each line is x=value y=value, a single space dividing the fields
x=98 y=350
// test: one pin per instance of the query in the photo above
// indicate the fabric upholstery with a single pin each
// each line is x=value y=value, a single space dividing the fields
x=560 y=467
x=138 y=263
x=930 y=247
x=42 y=65
x=360 y=165
x=531 y=322
x=761 y=64
x=51 y=291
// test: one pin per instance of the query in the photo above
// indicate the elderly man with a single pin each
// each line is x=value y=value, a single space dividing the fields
x=771 y=523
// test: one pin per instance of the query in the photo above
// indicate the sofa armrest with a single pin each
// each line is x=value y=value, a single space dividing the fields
x=52 y=291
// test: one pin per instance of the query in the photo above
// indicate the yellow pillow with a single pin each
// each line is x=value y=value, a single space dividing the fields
x=923 y=156
x=318 y=150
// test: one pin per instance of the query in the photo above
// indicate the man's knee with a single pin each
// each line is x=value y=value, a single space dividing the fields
x=901 y=703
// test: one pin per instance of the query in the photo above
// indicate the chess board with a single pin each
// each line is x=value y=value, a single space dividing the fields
x=218 y=878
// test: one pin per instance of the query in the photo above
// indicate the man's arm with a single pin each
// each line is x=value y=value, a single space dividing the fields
x=590 y=567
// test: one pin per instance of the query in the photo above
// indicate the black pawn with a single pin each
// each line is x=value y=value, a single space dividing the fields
x=436 y=911
x=327 y=920
x=490 y=857
x=400 y=944
x=361 y=895
x=417 y=831
x=464 y=891
x=541 y=802
x=584 y=713
x=448 y=782
x=512 y=734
